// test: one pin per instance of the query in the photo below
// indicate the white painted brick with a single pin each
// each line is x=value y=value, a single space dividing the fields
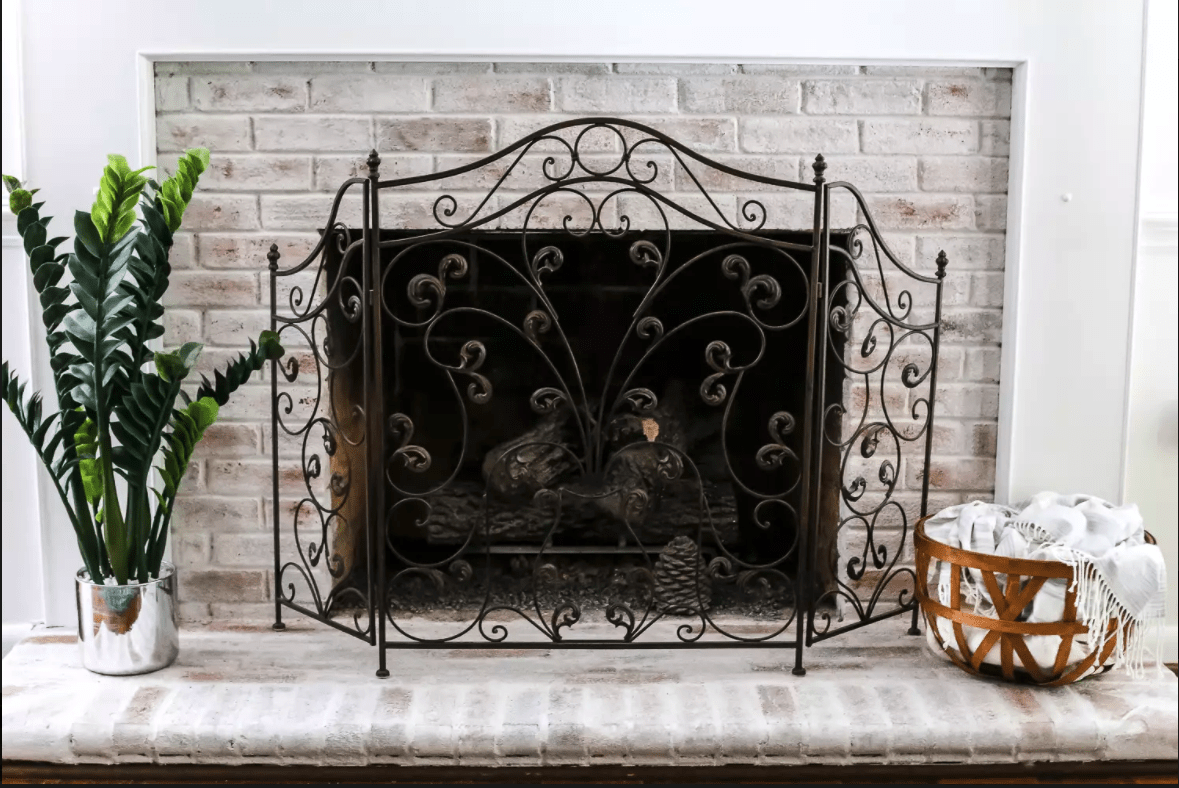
x=310 y=67
x=272 y=93
x=530 y=171
x=984 y=439
x=926 y=137
x=800 y=69
x=922 y=211
x=963 y=252
x=991 y=212
x=492 y=94
x=171 y=93
x=512 y=128
x=203 y=67
x=550 y=212
x=208 y=288
x=424 y=67
x=798 y=135
x=616 y=94
x=973 y=400
x=230 y=328
x=224 y=585
x=445 y=135
x=250 y=172
x=255 y=550
x=245 y=476
x=332 y=171
x=963 y=174
x=862 y=97
x=515 y=67
x=249 y=251
x=986 y=289
x=307 y=212
x=180 y=326
x=796 y=211
x=217 y=513
x=222 y=212
x=312 y=133
x=765 y=94
x=183 y=252
x=982 y=364
x=996 y=138
x=713 y=180
x=217 y=133
x=870 y=173
x=923 y=71
x=225 y=439
x=969 y=98
x=686 y=69
x=959 y=473
x=369 y=93
x=973 y=326
x=704 y=135
x=190 y=549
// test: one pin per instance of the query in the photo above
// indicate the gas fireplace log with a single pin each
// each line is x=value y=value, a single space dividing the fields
x=674 y=511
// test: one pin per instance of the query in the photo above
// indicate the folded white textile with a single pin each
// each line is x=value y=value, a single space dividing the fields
x=1116 y=574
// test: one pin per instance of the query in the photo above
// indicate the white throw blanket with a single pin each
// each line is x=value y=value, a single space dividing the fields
x=1116 y=574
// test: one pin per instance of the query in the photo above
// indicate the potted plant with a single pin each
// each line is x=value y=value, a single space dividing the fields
x=117 y=448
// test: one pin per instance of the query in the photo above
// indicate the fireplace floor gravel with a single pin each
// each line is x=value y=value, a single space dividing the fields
x=248 y=695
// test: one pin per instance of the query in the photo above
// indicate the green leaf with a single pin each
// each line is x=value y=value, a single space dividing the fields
x=11 y=184
x=239 y=370
x=114 y=208
x=19 y=200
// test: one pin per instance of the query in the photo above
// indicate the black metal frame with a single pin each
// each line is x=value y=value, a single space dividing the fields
x=833 y=307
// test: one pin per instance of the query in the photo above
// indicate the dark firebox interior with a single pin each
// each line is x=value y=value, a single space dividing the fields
x=594 y=294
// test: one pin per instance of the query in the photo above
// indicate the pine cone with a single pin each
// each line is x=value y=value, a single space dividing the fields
x=681 y=584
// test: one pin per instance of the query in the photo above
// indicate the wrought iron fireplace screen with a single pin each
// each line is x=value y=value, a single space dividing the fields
x=376 y=470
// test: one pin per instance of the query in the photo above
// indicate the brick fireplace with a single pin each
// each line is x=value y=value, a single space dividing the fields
x=928 y=147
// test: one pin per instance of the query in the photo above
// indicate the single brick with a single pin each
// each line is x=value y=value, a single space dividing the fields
x=369 y=93
x=963 y=252
x=233 y=328
x=705 y=135
x=513 y=128
x=222 y=212
x=791 y=210
x=252 y=549
x=995 y=139
x=190 y=549
x=308 y=212
x=332 y=171
x=986 y=289
x=445 y=135
x=492 y=94
x=183 y=252
x=862 y=97
x=242 y=476
x=922 y=211
x=511 y=67
x=869 y=173
x=953 y=474
x=974 y=326
x=180 y=132
x=203 y=67
x=217 y=513
x=223 y=585
x=171 y=93
x=713 y=180
x=968 y=400
x=229 y=440
x=313 y=133
x=431 y=68
x=982 y=364
x=809 y=136
x=271 y=93
x=963 y=174
x=616 y=94
x=990 y=212
x=180 y=326
x=969 y=98
x=206 y=288
x=759 y=95
x=675 y=69
x=800 y=69
x=927 y=137
x=248 y=252
x=984 y=439
x=249 y=172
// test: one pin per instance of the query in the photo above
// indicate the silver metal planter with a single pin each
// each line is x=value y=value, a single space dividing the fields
x=128 y=629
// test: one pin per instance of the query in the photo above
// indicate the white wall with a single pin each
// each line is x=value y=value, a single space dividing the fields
x=1062 y=422
x=1152 y=467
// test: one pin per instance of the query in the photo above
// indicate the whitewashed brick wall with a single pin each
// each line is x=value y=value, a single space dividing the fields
x=928 y=147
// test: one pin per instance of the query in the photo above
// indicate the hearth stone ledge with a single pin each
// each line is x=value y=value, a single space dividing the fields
x=307 y=697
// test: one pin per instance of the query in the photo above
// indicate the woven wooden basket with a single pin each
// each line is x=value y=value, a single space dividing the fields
x=1024 y=579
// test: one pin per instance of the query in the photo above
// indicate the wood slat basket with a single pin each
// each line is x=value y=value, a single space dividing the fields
x=1012 y=584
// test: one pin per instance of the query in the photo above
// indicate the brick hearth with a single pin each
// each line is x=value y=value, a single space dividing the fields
x=927 y=146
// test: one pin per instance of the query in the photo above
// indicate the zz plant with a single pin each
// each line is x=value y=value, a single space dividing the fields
x=122 y=410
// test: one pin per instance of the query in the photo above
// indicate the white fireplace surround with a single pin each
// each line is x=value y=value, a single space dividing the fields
x=1072 y=216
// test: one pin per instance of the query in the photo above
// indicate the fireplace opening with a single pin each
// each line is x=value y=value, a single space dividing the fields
x=539 y=449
